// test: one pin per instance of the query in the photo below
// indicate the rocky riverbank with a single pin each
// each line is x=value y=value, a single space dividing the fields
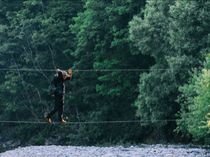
x=158 y=150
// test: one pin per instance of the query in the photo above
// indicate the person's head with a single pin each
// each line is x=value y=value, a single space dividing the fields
x=64 y=75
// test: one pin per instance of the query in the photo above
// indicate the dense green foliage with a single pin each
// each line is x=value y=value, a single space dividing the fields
x=103 y=43
x=176 y=34
x=194 y=102
x=98 y=40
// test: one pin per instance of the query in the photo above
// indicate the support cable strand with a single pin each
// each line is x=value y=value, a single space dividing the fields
x=107 y=122
x=96 y=70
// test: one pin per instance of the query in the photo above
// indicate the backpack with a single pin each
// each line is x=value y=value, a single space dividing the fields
x=53 y=89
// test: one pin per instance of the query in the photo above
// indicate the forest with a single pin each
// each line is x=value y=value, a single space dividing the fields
x=140 y=71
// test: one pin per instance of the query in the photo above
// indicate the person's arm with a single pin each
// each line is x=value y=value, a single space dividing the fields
x=69 y=76
x=59 y=73
x=70 y=73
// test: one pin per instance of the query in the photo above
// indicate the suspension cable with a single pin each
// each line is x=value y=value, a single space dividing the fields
x=97 y=70
x=108 y=122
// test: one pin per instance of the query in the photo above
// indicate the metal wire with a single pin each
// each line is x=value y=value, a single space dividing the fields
x=184 y=69
x=88 y=70
x=106 y=122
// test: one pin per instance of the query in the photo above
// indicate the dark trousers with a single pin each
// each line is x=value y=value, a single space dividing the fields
x=59 y=105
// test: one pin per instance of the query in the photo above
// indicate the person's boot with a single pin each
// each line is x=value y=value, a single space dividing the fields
x=62 y=121
x=48 y=119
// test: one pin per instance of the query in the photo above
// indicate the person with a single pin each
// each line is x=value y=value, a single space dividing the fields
x=59 y=94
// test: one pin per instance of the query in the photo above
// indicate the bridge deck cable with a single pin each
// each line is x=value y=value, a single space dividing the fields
x=106 y=122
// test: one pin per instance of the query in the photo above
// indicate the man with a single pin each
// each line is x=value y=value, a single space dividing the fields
x=59 y=95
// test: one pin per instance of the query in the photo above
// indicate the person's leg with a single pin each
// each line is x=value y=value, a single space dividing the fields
x=56 y=108
x=60 y=112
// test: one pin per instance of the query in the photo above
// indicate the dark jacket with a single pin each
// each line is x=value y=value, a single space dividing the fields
x=59 y=84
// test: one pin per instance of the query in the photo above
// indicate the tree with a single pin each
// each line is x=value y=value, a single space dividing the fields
x=191 y=41
x=194 y=102
x=157 y=89
x=172 y=33
x=34 y=36
x=103 y=44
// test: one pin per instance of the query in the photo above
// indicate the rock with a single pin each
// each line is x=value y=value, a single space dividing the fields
x=159 y=146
